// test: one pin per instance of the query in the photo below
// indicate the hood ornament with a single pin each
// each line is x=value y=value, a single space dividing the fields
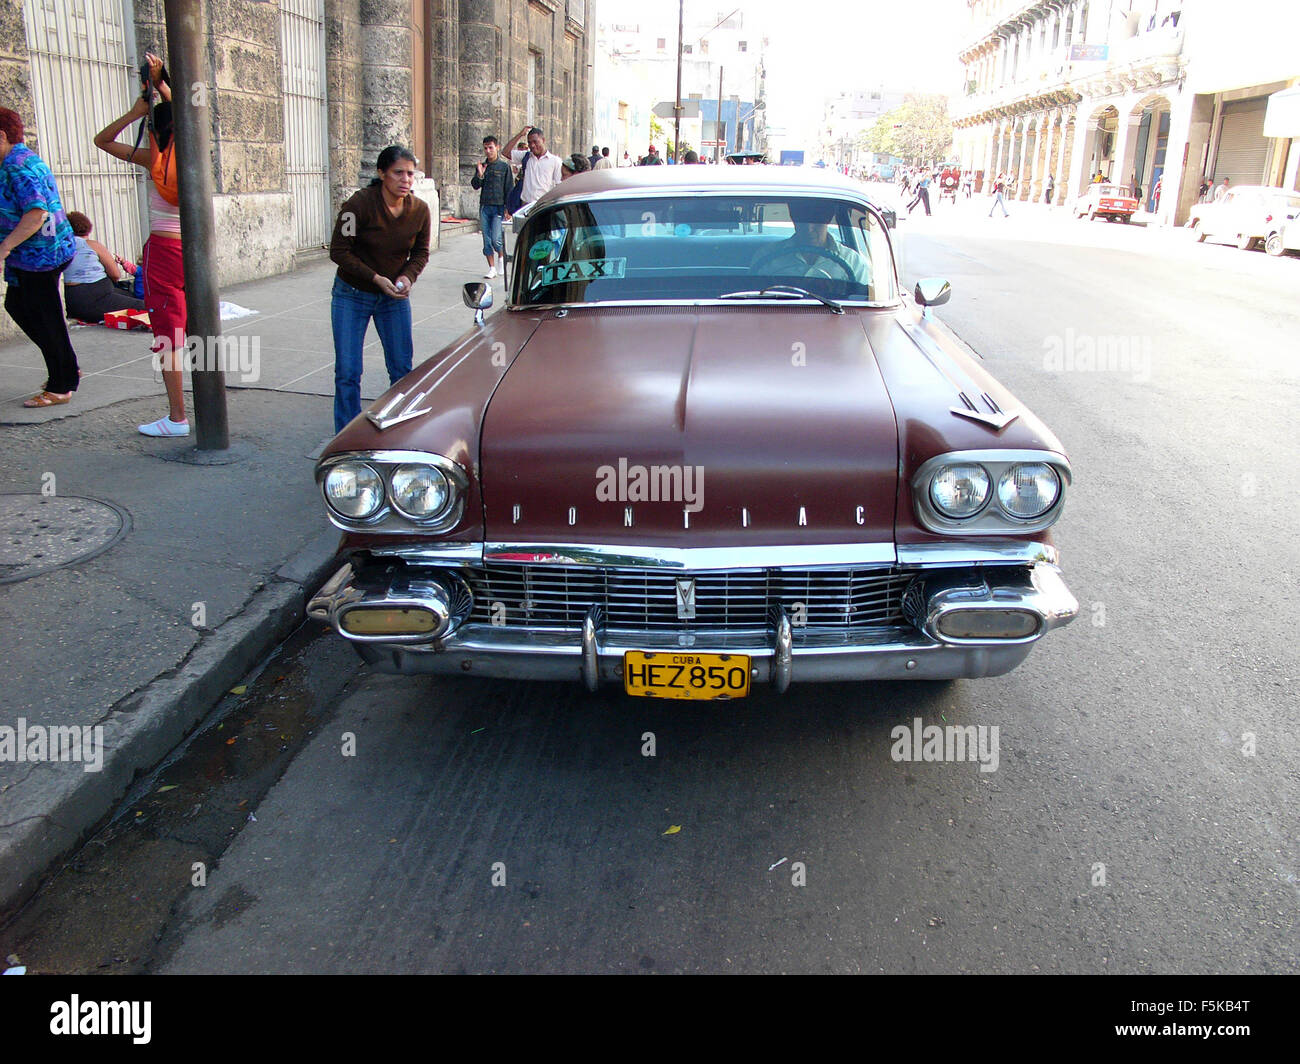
x=394 y=413
x=995 y=417
x=686 y=598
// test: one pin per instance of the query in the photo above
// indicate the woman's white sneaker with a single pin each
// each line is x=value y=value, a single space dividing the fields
x=165 y=426
x=491 y=273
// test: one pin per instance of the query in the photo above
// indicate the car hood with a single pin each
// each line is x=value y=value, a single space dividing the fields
x=699 y=427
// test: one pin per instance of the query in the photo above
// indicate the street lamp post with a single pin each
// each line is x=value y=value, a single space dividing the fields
x=677 y=107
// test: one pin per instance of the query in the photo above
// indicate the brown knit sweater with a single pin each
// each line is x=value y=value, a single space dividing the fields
x=368 y=240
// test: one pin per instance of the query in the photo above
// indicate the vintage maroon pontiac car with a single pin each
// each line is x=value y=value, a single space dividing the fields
x=708 y=444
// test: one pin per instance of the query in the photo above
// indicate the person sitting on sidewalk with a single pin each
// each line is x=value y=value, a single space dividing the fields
x=90 y=281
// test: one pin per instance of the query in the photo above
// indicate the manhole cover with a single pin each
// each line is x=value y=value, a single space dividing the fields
x=40 y=533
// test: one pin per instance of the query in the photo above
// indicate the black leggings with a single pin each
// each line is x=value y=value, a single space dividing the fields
x=92 y=300
x=32 y=300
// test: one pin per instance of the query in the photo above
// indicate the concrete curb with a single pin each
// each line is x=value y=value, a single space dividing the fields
x=144 y=727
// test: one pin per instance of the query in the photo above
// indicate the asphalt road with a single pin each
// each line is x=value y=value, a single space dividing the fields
x=503 y=827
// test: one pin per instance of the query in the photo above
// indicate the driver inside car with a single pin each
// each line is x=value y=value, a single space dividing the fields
x=812 y=251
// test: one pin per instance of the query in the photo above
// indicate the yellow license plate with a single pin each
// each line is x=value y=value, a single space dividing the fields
x=685 y=675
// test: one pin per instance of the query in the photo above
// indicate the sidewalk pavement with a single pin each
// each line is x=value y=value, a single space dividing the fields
x=137 y=582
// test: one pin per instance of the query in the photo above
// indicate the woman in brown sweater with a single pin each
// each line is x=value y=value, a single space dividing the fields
x=381 y=243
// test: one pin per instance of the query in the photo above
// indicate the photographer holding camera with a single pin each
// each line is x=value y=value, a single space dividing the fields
x=164 y=268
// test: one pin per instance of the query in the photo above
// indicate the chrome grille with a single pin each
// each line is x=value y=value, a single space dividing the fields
x=559 y=596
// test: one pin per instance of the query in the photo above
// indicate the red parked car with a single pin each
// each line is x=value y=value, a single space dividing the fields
x=707 y=445
x=1112 y=202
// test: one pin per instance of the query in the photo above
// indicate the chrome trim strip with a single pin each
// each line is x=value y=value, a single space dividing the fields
x=993 y=552
x=546 y=659
x=693 y=559
x=891 y=305
x=814 y=188
x=433 y=553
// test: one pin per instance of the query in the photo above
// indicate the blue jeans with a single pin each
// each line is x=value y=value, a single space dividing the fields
x=350 y=312
x=489 y=221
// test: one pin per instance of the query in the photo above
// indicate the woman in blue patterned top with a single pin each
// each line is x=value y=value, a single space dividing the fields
x=36 y=245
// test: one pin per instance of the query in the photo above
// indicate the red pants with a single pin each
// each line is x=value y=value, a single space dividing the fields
x=164 y=292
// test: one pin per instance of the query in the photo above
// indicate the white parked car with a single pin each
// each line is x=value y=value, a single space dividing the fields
x=1250 y=215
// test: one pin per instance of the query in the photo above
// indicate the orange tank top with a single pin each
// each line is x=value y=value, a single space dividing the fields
x=163 y=171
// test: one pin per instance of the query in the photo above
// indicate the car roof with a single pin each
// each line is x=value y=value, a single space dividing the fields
x=631 y=180
x=1266 y=189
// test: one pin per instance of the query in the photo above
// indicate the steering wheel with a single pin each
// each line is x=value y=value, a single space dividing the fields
x=766 y=261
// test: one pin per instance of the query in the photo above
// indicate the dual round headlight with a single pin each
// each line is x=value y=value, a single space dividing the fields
x=1025 y=490
x=356 y=490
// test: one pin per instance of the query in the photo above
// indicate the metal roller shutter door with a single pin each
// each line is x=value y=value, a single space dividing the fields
x=1243 y=148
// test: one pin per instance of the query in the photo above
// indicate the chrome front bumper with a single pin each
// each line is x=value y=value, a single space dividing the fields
x=779 y=653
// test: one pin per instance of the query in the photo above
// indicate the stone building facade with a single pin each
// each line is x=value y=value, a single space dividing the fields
x=304 y=94
x=1144 y=92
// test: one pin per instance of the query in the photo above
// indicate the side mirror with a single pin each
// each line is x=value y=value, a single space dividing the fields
x=478 y=297
x=891 y=217
x=930 y=291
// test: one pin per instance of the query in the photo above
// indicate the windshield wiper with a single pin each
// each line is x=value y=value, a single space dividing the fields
x=783 y=291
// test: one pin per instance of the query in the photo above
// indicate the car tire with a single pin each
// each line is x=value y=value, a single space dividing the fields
x=1199 y=231
x=1124 y=218
x=1245 y=243
x=1273 y=245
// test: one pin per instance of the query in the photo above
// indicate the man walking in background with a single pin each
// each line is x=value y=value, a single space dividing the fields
x=494 y=179
x=999 y=190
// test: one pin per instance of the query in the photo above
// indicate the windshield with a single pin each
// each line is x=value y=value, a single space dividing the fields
x=702 y=247
x=1111 y=190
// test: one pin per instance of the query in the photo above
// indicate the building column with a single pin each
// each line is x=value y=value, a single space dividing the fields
x=1051 y=140
x=385 y=81
x=1061 y=154
x=1020 y=160
x=481 y=100
x=344 y=95
x=1041 y=158
x=1127 y=128
x=1080 y=152
x=1190 y=120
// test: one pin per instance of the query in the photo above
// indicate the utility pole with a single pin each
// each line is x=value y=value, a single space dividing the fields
x=677 y=108
x=192 y=120
x=719 y=133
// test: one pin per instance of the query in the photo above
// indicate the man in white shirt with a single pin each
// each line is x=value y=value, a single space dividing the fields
x=604 y=162
x=542 y=171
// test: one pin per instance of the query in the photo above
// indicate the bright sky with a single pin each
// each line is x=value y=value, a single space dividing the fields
x=817 y=48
